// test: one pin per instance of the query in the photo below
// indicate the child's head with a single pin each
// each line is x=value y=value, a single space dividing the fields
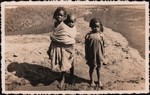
x=71 y=19
x=60 y=14
x=96 y=25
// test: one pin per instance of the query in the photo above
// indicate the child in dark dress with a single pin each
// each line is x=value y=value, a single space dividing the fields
x=94 y=50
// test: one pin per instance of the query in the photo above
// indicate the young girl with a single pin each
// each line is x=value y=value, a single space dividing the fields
x=94 y=50
x=61 y=50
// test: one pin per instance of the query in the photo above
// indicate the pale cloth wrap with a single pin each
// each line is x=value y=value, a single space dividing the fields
x=64 y=34
x=62 y=49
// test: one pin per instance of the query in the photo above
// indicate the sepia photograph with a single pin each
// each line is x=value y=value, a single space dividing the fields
x=75 y=47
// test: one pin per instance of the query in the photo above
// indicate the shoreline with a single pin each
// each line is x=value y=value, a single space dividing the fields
x=131 y=44
x=47 y=34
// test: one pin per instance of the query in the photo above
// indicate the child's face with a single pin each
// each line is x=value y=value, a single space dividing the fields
x=71 y=21
x=60 y=16
x=96 y=27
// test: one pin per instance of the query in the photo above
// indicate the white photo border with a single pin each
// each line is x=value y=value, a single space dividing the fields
x=73 y=3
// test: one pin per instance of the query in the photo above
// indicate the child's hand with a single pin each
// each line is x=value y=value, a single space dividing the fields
x=48 y=53
x=104 y=55
x=105 y=61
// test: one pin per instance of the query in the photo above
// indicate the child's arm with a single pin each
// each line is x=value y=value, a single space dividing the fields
x=48 y=51
x=86 y=46
x=104 y=44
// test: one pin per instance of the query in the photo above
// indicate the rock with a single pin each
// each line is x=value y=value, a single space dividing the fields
x=15 y=55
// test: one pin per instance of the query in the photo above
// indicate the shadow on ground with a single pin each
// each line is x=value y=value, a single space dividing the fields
x=37 y=74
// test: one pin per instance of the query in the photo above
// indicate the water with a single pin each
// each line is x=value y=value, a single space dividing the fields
x=130 y=22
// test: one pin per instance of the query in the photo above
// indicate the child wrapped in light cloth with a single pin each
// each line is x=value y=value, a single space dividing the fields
x=64 y=34
x=62 y=46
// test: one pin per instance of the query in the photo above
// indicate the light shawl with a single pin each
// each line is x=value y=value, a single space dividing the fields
x=64 y=34
x=61 y=49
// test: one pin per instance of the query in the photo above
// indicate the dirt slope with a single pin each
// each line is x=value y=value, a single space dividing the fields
x=27 y=65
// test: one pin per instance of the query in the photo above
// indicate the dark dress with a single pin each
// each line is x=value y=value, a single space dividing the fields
x=94 y=49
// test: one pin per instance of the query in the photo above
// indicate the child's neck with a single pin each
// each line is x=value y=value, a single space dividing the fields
x=96 y=32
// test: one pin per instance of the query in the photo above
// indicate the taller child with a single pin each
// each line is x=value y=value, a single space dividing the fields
x=61 y=50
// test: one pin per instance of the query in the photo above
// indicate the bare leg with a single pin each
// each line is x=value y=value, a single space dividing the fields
x=98 y=77
x=72 y=73
x=62 y=80
x=91 y=76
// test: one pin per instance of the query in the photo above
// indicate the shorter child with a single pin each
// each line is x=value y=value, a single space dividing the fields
x=70 y=21
x=94 y=50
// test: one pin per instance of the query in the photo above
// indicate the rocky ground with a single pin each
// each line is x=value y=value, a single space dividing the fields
x=27 y=66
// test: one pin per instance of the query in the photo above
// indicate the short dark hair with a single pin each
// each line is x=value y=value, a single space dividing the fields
x=60 y=9
x=69 y=16
x=95 y=20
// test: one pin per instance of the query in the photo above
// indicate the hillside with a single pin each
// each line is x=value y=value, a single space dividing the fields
x=27 y=65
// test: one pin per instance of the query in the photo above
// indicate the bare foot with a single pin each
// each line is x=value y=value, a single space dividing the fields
x=60 y=87
x=92 y=84
x=100 y=85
